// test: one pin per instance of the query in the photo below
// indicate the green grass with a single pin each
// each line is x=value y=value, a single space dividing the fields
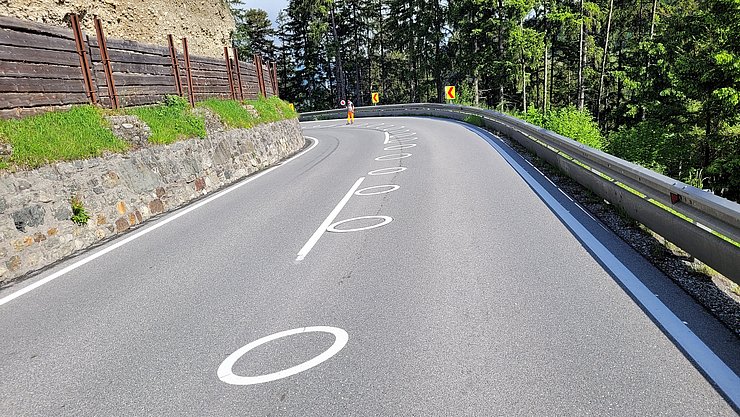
x=273 y=109
x=82 y=132
x=78 y=133
x=233 y=114
x=171 y=121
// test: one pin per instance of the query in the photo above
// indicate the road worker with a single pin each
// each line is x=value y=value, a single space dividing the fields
x=350 y=112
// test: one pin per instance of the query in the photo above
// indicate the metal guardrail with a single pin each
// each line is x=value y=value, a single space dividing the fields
x=701 y=223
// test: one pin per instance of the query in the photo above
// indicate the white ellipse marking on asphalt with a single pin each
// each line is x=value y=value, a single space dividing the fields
x=225 y=371
x=153 y=227
x=389 y=188
x=386 y=171
x=393 y=157
x=385 y=220
x=325 y=224
x=400 y=147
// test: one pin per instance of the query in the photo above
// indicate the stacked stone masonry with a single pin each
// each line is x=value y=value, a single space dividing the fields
x=121 y=191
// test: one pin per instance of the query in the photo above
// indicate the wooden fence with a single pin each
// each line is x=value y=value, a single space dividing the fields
x=44 y=67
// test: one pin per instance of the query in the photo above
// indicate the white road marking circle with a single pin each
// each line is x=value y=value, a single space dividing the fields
x=388 y=189
x=225 y=374
x=399 y=147
x=333 y=227
x=386 y=171
x=393 y=157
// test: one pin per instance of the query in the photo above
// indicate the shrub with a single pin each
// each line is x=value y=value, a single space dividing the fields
x=577 y=125
x=79 y=214
x=569 y=122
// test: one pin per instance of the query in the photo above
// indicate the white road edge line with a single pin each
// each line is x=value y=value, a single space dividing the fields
x=327 y=222
x=152 y=228
x=713 y=367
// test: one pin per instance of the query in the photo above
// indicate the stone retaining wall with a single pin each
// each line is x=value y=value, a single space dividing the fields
x=122 y=190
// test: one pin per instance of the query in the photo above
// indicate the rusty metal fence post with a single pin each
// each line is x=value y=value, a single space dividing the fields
x=189 y=75
x=238 y=69
x=229 y=73
x=87 y=79
x=103 y=47
x=260 y=76
x=273 y=74
x=175 y=66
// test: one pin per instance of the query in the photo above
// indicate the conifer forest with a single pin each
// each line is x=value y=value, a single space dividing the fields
x=655 y=82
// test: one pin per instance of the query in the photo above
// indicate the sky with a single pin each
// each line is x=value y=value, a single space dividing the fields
x=272 y=7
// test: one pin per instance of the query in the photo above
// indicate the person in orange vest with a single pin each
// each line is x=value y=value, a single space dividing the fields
x=350 y=112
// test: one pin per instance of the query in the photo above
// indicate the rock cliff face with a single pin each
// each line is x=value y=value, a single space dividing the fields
x=206 y=23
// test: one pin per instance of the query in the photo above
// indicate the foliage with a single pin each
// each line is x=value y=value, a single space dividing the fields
x=171 y=121
x=569 y=122
x=79 y=215
x=253 y=33
x=665 y=89
x=78 y=133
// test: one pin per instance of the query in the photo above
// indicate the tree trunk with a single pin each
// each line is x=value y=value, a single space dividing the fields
x=603 y=62
x=501 y=50
x=524 y=70
x=341 y=86
x=581 y=61
x=544 y=60
x=437 y=47
x=359 y=97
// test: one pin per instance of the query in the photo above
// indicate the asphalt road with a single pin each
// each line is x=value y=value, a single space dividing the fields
x=473 y=298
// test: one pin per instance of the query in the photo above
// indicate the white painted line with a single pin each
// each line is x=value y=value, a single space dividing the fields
x=387 y=138
x=154 y=227
x=225 y=371
x=405 y=135
x=408 y=139
x=393 y=157
x=709 y=363
x=386 y=189
x=385 y=220
x=327 y=222
x=399 y=147
x=386 y=171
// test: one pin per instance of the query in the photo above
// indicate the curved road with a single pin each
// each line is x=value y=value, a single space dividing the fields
x=437 y=283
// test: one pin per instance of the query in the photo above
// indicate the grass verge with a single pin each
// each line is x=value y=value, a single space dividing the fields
x=171 y=121
x=78 y=133
x=82 y=132
x=234 y=114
